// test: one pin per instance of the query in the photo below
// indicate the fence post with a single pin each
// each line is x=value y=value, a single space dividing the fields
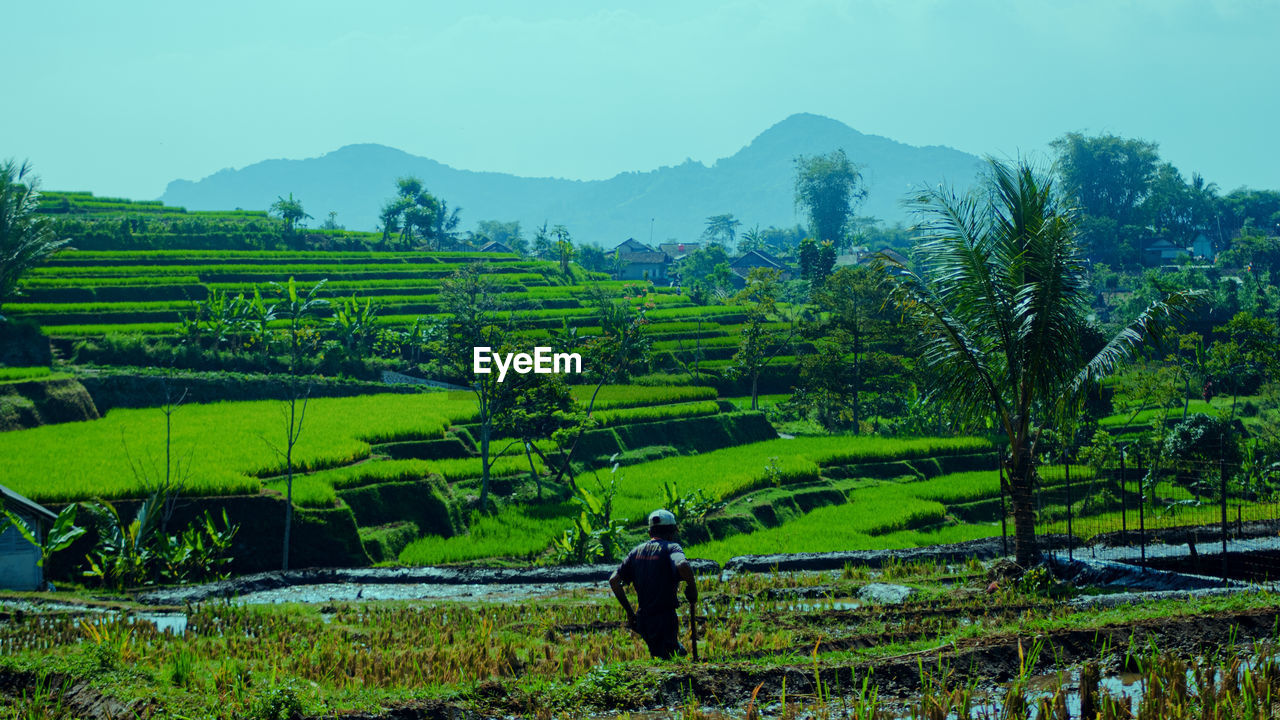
x=1124 y=509
x=1142 y=518
x=1222 y=471
x=1004 y=517
x=1066 y=468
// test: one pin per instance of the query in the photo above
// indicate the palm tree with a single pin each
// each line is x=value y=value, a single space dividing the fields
x=1001 y=295
x=26 y=237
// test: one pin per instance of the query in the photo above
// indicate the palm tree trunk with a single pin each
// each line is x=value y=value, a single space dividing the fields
x=1021 y=475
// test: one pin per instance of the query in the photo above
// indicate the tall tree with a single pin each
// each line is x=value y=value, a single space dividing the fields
x=705 y=272
x=828 y=188
x=1108 y=178
x=621 y=350
x=469 y=299
x=26 y=237
x=1251 y=212
x=1002 y=298
x=1107 y=175
x=417 y=215
x=592 y=257
x=852 y=320
x=544 y=247
x=563 y=246
x=722 y=229
x=760 y=344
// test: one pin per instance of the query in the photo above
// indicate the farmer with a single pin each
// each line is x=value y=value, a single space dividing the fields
x=656 y=567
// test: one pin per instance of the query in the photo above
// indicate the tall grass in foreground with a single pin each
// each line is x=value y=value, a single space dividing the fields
x=227 y=446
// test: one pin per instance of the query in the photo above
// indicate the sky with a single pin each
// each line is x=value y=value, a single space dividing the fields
x=120 y=98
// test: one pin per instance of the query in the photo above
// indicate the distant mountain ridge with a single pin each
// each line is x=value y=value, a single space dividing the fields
x=756 y=184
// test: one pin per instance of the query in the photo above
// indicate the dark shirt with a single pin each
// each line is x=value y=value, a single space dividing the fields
x=651 y=567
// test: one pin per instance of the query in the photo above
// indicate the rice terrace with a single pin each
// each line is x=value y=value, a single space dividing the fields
x=834 y=426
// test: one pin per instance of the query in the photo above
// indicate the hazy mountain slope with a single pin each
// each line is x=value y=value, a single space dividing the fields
x=756 y=184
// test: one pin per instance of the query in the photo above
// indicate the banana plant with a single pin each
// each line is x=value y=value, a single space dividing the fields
x=60 y=536
x=257 y=317
x=124 y=551
x=296 y=306
x=597 y=510
x=353 y=325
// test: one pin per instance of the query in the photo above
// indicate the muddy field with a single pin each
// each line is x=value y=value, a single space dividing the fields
x=901 y=640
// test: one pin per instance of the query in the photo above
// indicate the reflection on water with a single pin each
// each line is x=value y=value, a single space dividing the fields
x=174 y=623
x=355 y=592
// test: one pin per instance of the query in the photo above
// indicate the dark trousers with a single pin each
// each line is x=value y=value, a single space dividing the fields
x=661 y=632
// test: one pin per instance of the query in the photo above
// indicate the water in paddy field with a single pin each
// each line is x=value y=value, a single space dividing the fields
x=357 y=592
x=174 y=623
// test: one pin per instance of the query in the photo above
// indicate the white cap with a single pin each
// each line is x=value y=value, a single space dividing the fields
x=659 y=518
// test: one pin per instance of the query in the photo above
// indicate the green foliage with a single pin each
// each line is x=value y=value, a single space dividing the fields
x=848 y=376
x=26 y=238
x=17 y=374
x=135 y=552
x=760 y=345
x=290 y=211
x=110 y=641
x=417 y=215
x=613 y=397
x=728 y=472
x=1108 y=177
x=61 y=535
x=1201 y=440
x=870 y=512
x=1024 y=362
x=595 y=534
x=656 y=413
x=279 y=702
x=828 y=187
x=521 y=532
x=339 y=431
x=690 y=509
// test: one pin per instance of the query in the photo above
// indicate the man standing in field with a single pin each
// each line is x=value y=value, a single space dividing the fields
x=656 y=568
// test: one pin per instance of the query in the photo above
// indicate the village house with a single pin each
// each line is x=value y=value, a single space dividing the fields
x=1161 y=252
x=742 y=266
x=1202 y=247
x=677 y=250
x=493 y=246
x=19 y=559
x=641 y=262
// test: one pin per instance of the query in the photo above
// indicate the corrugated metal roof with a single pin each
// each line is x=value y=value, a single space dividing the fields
x=16 y=503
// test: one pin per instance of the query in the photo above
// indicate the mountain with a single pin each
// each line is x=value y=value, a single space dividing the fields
x=756 y=184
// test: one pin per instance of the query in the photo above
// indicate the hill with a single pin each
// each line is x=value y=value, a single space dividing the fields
x=755 y=184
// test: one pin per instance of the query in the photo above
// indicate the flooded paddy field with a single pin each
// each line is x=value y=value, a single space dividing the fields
x=925 y=640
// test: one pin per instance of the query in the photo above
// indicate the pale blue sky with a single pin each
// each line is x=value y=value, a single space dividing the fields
x=121 y=97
